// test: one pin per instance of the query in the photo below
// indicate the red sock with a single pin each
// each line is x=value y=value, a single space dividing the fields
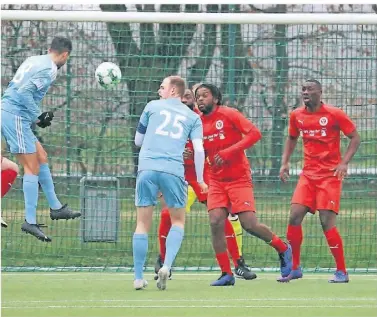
x=294 y=237
x=335 y=243
x=7 y=178
x=163 y=231
x=278 y=244
x=231 y=242
x=224 y=263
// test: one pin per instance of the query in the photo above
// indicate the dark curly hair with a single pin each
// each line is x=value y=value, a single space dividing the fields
x=214 y=91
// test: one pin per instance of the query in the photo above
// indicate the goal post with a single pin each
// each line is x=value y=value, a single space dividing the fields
x=190 y=18
x=258 y=60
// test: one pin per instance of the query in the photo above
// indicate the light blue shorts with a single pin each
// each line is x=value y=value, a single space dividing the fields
x=17 y=133
x=150 y=183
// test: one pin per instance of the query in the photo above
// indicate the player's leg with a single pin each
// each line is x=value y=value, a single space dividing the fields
x=145 y=198
x=20 y=140
x=174 y=190
x=217 y=211
x=328 y=202
x=303 y=201
x=242 y=200
x=163 y=231
x=9 y=171
x=241 y=270
x=236 y=224
x=57 y=209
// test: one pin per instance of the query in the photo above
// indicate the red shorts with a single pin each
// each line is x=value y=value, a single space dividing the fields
x=198 y=192
x=318 y=194
x=237 y=195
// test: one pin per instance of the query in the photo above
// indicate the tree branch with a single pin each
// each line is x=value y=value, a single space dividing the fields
x=267 y=10
x=315 y=35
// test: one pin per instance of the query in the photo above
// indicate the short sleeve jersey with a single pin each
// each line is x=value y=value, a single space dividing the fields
x=320 y=132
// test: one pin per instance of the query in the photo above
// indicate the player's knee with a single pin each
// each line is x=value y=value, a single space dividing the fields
x=297 y=214
x=217 y=222
x=294 y=220
x=327 y=219
x=165 y=214
x=42 y=157
x=31 y=167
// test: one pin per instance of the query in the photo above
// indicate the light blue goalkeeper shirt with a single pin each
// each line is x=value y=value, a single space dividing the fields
x=28 y=87
x=167 y=125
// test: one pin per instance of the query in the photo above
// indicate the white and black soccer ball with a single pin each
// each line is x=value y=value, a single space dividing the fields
x=108 y=75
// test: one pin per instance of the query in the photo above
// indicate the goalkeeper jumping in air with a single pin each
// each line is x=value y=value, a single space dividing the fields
x=19 y=110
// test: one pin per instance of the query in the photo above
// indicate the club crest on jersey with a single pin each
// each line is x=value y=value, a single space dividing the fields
x=323 y=121
x=219 y=124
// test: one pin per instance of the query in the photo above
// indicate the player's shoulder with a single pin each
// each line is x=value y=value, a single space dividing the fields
x=228 y=112
x=298 y=110
x=331 y=109
x=44 y=64
x=151 y=105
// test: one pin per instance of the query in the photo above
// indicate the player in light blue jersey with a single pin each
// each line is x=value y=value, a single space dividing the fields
x=19 y=110
x=164 y=128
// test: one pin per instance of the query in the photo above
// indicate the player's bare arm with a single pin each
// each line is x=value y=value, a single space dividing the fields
x=290 y=145
x=341 y=170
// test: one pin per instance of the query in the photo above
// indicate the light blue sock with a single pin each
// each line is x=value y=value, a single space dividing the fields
x=45 y=179
x=140 y=249
x=30 y=188
x=173 y=244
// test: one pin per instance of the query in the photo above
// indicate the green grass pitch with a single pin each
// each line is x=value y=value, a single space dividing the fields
x=188 y=294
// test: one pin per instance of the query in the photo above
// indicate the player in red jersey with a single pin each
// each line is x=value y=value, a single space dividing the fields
x=9 y=171
x=320 y=184
x=227 y=134
x=194 y=192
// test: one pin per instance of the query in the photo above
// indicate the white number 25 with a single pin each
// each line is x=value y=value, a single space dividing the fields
x=177 y=125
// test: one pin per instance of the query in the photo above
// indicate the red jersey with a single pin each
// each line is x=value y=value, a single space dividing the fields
x=320 y=132
x=221 y=129
x=190 y=173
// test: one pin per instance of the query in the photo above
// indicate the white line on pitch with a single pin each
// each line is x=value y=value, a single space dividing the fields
x=192 y=306
x=187 y=300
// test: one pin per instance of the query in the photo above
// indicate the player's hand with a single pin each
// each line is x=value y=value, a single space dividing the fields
x=203 y=188
x=340 y=171
x=188 y=154
x=284 y=173
x=218 y=159
x=45 y=119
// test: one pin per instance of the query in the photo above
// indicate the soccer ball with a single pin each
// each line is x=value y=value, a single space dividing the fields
x=108 y=75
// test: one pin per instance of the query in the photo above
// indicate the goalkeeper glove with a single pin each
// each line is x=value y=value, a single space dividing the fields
x=45 y=119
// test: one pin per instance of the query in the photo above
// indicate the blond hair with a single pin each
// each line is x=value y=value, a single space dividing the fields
x=179 y=83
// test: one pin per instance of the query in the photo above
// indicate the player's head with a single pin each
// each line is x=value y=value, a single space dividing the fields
x=188 y=99
x=311 y=93
x=195 y=87
x=172 y=87
x=60 y=49
x=207 y=97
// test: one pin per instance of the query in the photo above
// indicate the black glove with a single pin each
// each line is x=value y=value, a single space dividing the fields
x=45 y=119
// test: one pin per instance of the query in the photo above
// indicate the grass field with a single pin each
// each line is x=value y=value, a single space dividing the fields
x=188 y=294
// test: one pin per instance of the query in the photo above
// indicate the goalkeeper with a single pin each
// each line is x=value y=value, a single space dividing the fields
x=233 y=229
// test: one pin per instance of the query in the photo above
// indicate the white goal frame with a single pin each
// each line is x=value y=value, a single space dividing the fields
x=190 y=18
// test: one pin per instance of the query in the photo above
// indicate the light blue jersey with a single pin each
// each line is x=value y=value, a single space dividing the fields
x=28 y=87
x=167 y=125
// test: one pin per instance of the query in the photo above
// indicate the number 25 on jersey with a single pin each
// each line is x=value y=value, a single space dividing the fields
x=172 y=125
